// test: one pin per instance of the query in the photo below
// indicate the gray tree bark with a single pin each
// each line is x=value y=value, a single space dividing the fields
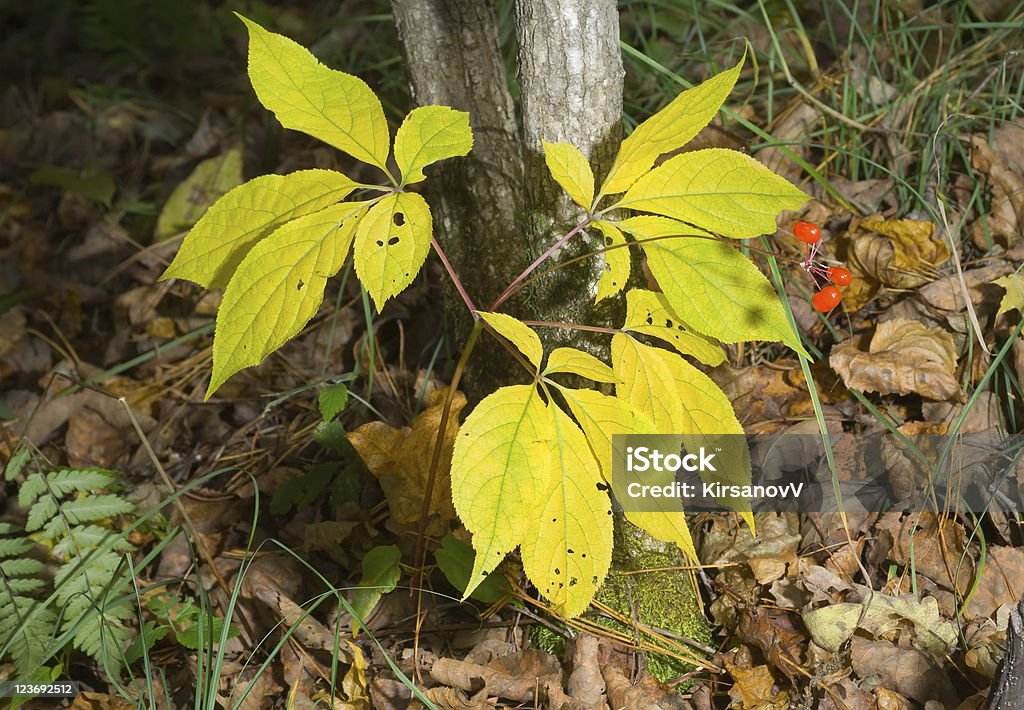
x=498 y=209
x=570 y=74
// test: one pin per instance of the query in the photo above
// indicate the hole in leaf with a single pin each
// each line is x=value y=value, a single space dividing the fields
x=299 y=286
x=399 y=219
x=602 y=487
x=380 y=242
x=393 y=241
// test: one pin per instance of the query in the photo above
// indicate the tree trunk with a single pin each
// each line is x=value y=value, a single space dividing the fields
x=570 y=74
x=498 y=209
x=1008 y=686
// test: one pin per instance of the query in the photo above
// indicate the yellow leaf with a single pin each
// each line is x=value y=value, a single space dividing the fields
x=720 y=190
x=670 y=128
x=616 y=261
x=601 y=417
x=1014 y=297
x=400 y=459
x=278 y=287
x=579 y=363
x=228 y=230
x=392 y=242
x=429 y=134
x=304 y=95
x=710 y=285
x=502 y=457
x=193 y=196
x=571 y=170
x=648 y=313
x=568 y=549
x=705 y=415
x=517 y=333
x=642 y=385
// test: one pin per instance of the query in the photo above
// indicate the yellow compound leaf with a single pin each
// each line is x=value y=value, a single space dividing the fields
x=568 y=548
x=517 y=333
x=304 y=95
x=226 y=232
x=392 y=242
x=429 y=134
x=571 y=170
x=648 y=313
x=500 y=466
x=670 y=128
x=616 y=261
x=723 y=191
x=577 y=362
x=710 y=285
x=278 y=287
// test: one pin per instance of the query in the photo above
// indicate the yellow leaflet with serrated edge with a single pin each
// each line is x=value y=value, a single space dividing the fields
x=723 y=191
x=571 y=170
x=226 y=232
x=642 y=386
x=616 y=261
x=602 y=417
x=278 y=287
x=710 y=285
x=1013 y=285
x=670 y=128
x=502 y=456
x=304 y=95
x=568 y=547
x=648 y=313
x=429 y=134
x=707 y=416
x=577 y=362
x=392 y=242
x=518 y=333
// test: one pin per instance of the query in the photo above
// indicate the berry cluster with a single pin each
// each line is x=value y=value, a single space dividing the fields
x=827 y=296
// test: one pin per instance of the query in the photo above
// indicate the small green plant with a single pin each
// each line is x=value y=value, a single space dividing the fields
x=532 y=461
x=87 y=602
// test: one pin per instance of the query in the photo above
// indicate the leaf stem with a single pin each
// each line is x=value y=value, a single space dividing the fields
x=454 y=277
x=512 y=287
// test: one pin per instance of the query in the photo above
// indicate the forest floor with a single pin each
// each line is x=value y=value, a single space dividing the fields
x=120 y=122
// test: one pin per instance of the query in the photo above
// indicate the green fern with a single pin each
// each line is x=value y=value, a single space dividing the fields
x=25 y=635
x=69 y=512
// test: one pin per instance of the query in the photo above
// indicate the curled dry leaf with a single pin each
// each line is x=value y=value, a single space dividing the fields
x=898 y=253
x=904 y=357
x=1001 y=161
x=905 y=670
x=400 y=459
x=1000 y=581
x=946 y=294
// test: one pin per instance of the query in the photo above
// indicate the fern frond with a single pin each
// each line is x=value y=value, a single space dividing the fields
x=25 y=627
x=85 y=538
x=81 y=510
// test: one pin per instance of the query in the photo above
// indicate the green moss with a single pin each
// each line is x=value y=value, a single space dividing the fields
x=663 y=599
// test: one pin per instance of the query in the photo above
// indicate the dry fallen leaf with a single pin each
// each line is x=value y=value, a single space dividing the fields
x=907 y=671
x=1000 y=581
x=905 y=356
x=1001 y=161
x=755 y=689
x=400 y=459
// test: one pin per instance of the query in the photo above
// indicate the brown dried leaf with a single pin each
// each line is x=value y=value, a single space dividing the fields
x=947 y=295
x=905 y=670
x=899 y=253
x=938 y=546
x=755 y=689
x=905 y=356
x=1000 y=581
x=519 y=677
x=400 y=459
x=1002 y=163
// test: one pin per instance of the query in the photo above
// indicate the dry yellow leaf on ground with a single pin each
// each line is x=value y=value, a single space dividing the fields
x=905 y=356
x=400 y=459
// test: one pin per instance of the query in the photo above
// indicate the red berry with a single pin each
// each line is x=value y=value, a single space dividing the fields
x=839 y=276
x=807 y=232
x=826 y=299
